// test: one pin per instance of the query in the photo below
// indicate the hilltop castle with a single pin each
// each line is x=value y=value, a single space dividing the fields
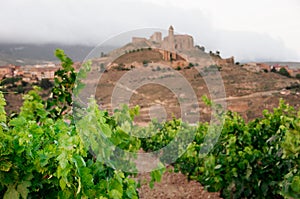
x=169 y=46
x=171 y=42
x=176 y=47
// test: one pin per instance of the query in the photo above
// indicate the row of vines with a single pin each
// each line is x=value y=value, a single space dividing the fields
x=259 y=159
x=49 y=150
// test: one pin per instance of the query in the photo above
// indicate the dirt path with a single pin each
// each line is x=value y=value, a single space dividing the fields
x=252 y=95
x=174 y=186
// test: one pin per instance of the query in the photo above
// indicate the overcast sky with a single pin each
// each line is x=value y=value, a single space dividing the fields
x=248 y=30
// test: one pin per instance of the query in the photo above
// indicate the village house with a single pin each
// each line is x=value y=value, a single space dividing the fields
x=37 y=72
x=4 y=71
x=277 y=67
x=29 y=73
x=259 y=67
x=265 y=67
x=9 y=71
x=33 y=73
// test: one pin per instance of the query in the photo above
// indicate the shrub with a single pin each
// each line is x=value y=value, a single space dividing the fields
x=284 y=72
x=20 y=89
x=145 y=62
x=46 y=84
x=10 y=81
x=273 y=70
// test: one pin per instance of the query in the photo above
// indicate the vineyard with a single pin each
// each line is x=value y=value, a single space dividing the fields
x=49 y=151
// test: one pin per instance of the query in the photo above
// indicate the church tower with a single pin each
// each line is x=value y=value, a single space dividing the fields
x=171 y=38
x=171 y=31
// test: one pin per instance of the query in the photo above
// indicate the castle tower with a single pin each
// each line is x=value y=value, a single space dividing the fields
x=171 y=31
x=171 y=38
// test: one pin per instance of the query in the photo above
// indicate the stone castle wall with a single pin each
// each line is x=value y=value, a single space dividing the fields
x=183 y=42
x=156 y=37
x=138 y=39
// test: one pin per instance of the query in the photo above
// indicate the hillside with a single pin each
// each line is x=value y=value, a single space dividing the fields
x=140 y=57
x=247 y=93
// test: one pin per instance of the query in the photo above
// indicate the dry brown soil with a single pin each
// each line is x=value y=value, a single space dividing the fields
x=173 y=186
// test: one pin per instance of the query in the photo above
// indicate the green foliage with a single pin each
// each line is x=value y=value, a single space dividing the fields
x=248 y=161
x=50 y=159
x=2 y=110
x=160 y=135
x=64 y=83
x=297 y=76
x=291 y=151
x=178 y=68
x=145 y=62
x=211 y=69
x=284 y=72
x=46 y=84
x=44 y=155
x=273 y=70
x=10 y=81
x=156 y=175
x=109 y=137
x=12 y=84
x=255 y=160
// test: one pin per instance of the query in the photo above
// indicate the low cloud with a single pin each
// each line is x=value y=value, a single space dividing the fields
x=92 y=22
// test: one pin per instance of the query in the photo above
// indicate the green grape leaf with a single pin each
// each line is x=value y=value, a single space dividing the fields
x=11 y=193
x=115 y=194
x=296 y=184
x=5 y=165
x=22 y=188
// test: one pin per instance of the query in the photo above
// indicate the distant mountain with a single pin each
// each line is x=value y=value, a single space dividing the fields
x=22 y=54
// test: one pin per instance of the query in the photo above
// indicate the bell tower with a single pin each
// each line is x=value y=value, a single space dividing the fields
x=171 y=39
x=171 y=31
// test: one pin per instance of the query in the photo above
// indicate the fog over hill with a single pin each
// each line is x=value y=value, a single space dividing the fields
x=22 y=54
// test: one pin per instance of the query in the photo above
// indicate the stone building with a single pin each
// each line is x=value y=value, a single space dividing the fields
x=156 y=37
x=173 y=45
x=4 y=71
x=169 y=46
x=171 y=42
x=9 y=71
x=174 y=42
